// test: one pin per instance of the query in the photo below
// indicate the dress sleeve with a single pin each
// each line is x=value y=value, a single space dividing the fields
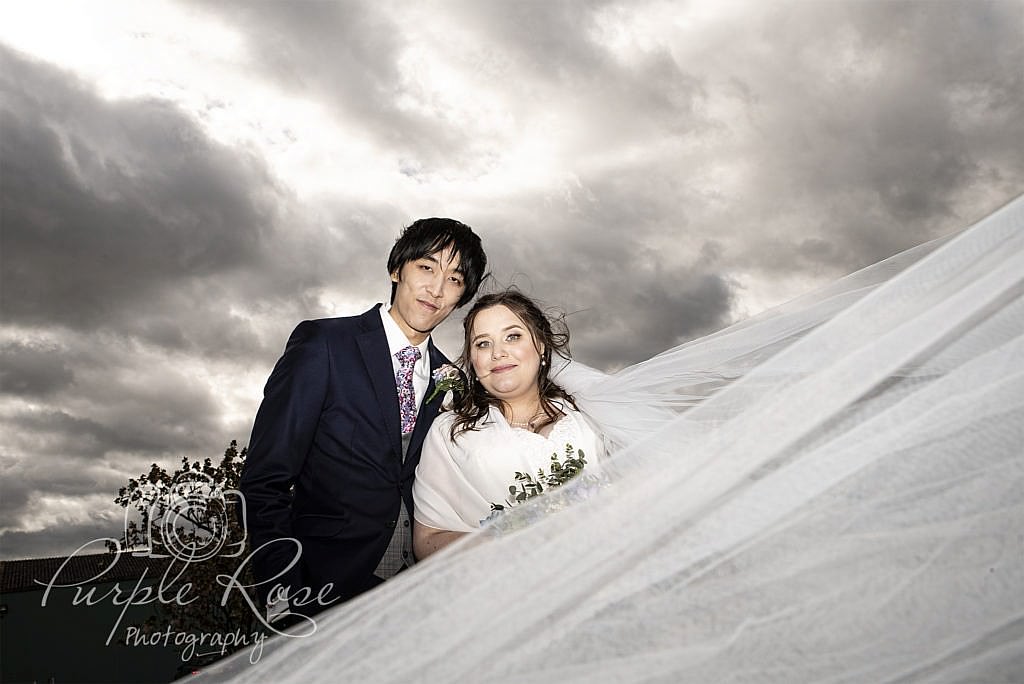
x=440 y=489
x=594 y=438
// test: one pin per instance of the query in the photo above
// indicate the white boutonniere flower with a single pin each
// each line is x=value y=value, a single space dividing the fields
x=447 y=378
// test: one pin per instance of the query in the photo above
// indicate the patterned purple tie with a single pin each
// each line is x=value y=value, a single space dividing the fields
x=407 y=358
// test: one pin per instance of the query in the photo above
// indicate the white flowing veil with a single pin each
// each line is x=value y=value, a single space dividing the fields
x=831 y=491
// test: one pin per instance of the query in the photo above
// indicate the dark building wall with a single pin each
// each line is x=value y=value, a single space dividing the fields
x=61 y=642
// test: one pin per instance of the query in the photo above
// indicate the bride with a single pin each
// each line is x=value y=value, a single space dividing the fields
x=830 y=491
x=512 y=418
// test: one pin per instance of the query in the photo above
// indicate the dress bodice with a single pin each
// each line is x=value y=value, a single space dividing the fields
x=456 y=482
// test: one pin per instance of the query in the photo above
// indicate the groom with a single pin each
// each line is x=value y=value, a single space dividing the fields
x=337 y=438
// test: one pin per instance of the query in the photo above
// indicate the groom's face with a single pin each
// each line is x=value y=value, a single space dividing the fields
x=428 y=290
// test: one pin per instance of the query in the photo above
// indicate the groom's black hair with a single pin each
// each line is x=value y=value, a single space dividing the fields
x=430 y=235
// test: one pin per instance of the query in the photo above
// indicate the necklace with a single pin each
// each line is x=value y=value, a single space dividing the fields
x=529 y=424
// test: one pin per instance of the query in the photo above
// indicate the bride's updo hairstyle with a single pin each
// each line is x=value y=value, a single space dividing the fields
x=472 y=405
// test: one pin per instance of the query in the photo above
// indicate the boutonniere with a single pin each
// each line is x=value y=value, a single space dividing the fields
x=447 y=378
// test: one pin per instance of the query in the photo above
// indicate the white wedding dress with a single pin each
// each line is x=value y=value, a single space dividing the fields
x=832 y=491
x=457 y=482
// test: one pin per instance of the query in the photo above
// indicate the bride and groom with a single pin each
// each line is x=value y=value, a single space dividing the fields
x=831 y=487
x=349 y=413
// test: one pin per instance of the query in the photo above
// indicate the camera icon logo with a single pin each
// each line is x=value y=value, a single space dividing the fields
x=191 y=520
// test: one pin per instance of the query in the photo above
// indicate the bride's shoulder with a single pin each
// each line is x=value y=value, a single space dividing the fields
x=582 y=424
x=574 y=414
x=446 y=420
x=448 y=416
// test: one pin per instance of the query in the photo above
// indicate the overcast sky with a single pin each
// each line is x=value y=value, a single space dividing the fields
x=183 y=182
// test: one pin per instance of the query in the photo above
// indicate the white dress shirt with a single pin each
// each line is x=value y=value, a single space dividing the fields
x=397 y=341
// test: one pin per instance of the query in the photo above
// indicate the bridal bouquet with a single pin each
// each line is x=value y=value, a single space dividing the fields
x=560 y=473
x=526 y=486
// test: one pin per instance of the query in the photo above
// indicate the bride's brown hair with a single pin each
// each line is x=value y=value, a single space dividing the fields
x=548 y=332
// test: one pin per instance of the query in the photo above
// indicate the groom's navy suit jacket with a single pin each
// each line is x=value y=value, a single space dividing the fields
x=324 y=464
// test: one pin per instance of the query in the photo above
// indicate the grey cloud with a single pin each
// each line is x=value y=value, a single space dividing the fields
x=105 y=204
x=345 y=53
x=13 y=498
x=885 y=124
x=554 y=56
x=53 y=477
x=27 y=487
x=76 y=483
x=347 y=47
x=132 y=243
x=125 y=218
x=59 y=433
x=647 y=317
x=547 y=37
x=59 y=540
x=137 y=251
x=32 y=369
x=601 y=263
x=350 y=54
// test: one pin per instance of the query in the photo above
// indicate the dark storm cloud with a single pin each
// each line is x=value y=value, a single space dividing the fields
x=885 y=124
x=860 y=147
x=133 y=426
x=124 y=217
x=57 y=476
x=668 y=311
x=608 y=264
x=781 y=141
x=61 y=540
x=13 y=501
x=106 y=205
x=137 y=255
x=32 y=370
x=49 y=489
x=124 y=229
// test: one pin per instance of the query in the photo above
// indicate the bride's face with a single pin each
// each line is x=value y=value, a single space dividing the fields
x=504 y=354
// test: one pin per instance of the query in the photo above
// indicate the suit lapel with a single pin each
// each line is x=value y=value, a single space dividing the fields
x=373 y=345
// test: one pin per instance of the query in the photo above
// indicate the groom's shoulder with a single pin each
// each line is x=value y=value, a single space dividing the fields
x=344 y=324
x=342 y=330
x=438 y=357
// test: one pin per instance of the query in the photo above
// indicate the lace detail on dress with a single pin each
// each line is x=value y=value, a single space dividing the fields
x=563 y=432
